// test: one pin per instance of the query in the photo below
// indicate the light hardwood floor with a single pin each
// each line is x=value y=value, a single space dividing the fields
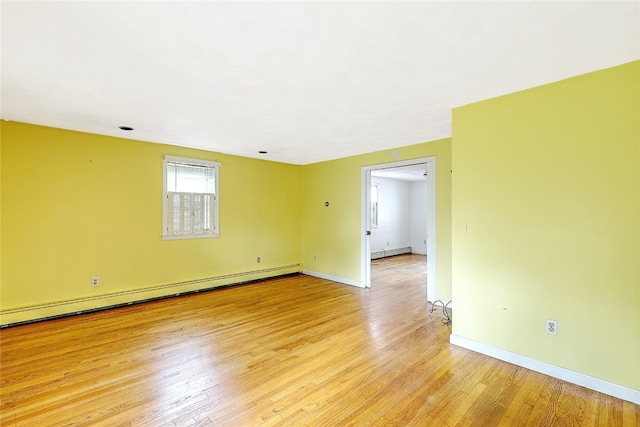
x=295 y=351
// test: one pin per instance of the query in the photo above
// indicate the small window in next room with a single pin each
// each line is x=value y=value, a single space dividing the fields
x=190 y=200
x=374 y=206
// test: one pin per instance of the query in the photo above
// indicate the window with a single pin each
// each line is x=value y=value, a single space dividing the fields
x=190 y=204
x=374 y=206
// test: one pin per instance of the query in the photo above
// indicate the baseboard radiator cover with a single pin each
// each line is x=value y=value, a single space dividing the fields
x=390 y=252
x=583 y=380
x=39 y=312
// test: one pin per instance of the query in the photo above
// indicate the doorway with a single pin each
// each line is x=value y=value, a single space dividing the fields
x=425 y=169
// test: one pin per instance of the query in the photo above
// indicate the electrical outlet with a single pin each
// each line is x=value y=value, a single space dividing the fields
x=552 y=327
x=95 y=281
x=258 y=260
x=315 y=257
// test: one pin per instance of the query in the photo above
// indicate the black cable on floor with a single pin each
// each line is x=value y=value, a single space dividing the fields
x=448 y=319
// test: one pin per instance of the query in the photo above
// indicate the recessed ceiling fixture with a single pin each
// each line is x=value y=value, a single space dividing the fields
x=262 y=152
x=127 y=128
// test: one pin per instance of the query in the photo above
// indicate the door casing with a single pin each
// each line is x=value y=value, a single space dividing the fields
x=365 y=223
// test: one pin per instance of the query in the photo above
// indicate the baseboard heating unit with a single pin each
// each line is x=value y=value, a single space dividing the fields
x=39 y=312
x=390 y=252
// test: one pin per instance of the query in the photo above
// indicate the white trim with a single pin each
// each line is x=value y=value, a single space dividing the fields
x=191 y=236
x=333 y=278
x=191 y=161
x=365 y=245
x=432 y=230
x=215 y=204
x=573 y=377
x=365 y=227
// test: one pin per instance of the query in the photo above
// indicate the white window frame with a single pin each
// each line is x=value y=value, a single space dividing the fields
x=215 y=199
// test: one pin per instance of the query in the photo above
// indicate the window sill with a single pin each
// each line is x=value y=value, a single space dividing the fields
x=195 y=236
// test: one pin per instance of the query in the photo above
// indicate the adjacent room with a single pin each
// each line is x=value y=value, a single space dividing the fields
x=320 y=213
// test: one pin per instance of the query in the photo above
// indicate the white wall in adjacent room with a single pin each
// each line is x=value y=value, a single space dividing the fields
x=402 y=216
x=394 y=210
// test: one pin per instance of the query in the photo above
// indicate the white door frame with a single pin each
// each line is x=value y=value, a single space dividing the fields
x=365 y=222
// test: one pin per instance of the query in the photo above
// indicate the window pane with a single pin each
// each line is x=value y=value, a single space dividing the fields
x=185 y=178
x=171 y=177
x=374 y=206
x=186 y=214
x=207 y=213
x=190 y=206
x=176 y=213
x=197 y=214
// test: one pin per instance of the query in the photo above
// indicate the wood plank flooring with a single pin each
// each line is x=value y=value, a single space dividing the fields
x=291 y=351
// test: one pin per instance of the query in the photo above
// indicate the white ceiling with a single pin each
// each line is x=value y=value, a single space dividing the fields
x=305 y=81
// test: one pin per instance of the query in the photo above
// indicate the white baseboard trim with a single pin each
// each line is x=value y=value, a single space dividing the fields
x=333 y=278
x=573 y=377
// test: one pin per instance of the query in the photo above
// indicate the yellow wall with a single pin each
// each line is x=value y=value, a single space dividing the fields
x=333 y=233
x=77 y=205
x=546 y=223
x=0 y=213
